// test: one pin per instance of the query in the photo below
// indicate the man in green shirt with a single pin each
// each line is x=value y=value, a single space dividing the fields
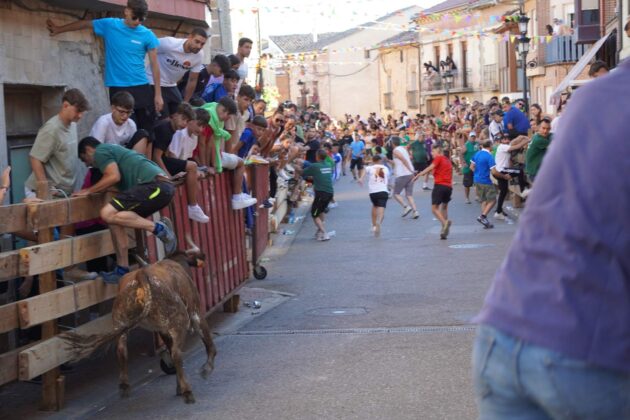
x=537 y=148
x=470 y=148
x=418 y=153
x=321 y=172
x=143 y=190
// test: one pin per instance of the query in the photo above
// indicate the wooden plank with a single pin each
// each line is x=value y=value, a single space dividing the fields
x=13 y=218
x=64 y=301
x=9 y=364
x=19 y=217
x=8 y=317
x=53 y=352
x=52 y=256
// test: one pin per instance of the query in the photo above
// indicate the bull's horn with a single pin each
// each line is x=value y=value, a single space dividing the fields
x=193 y=246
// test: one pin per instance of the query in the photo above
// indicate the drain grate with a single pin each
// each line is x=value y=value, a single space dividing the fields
x=384 y=330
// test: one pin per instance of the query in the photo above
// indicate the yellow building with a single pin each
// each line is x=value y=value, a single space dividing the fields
x=399 y=79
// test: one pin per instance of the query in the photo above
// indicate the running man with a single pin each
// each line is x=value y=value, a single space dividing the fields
x=403 y=169
x=378 y=179
x=321 y=172
x=483 y=164
x=442 y=169
x=358 y=151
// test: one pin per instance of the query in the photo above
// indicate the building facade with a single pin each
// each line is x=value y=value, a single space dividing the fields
x=399 y=74
x=339 y=71
x=480 y=62
x=36 y=69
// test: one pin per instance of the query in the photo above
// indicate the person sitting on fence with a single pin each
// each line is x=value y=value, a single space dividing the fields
x=144 y=188
x=236 y=124
x=117 y=128
x=216 y=91
x=211 y=73
x=185 y=141
x=250 y=136
x=164 y=132
x=212 y=144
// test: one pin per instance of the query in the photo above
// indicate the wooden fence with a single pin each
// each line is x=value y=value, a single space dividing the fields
x=226 y=269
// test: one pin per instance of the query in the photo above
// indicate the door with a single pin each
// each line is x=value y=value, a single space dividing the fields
x=463 y=70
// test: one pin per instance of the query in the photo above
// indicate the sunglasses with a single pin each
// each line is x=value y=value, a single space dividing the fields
x=140 y=18
x=279 y=121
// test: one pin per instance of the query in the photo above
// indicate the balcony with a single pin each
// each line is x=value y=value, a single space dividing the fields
x=491 y=77
x=563 y=49
x=387 y=100
x=412 y=99
x=435 y=85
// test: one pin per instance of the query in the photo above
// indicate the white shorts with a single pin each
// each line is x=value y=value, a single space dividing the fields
x=229 y=161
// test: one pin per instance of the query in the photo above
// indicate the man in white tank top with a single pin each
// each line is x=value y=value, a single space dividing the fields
x=403 y=169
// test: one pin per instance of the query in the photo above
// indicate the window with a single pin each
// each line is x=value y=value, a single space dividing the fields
x=402 y=56
x=590 y=12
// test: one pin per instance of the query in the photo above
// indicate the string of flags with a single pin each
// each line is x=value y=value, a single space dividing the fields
x=312 y=55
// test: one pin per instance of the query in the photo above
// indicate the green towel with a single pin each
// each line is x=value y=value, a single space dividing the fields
x=220 y=134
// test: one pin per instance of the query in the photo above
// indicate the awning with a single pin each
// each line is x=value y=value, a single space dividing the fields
x=577 y=69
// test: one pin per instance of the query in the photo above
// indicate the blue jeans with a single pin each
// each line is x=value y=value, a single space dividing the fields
x=516 y=380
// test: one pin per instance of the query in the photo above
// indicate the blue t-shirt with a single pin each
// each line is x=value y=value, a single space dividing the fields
x=484 y=162
x=518 y=119
x=248 y=140
x=125 y=49
x=214 y=92
x=358 y=147
x=564 y=283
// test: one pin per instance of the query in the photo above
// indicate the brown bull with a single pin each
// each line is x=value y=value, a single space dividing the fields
x=159 y=297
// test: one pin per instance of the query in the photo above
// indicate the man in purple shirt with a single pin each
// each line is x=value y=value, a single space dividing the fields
x=554 y=339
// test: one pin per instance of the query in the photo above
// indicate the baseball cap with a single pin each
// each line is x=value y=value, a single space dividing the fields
x=472 y=134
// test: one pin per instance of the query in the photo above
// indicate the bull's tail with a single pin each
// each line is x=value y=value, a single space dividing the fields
x=83 y=346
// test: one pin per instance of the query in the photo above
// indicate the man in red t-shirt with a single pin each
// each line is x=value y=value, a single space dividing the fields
x=443 y=186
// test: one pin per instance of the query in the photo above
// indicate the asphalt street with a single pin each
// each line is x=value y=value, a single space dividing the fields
x=354 y=328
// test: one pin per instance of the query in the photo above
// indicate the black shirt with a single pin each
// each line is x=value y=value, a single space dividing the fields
x=346 y=140
x=202 y=81
x=163 y=132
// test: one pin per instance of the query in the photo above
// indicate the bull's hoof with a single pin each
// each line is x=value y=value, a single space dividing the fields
x=206 y=370
x=123 y=390
x=189 y=398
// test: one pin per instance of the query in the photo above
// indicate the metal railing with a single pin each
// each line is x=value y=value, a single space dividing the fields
x=490 y=77
x=435 y=82
x=563 y=49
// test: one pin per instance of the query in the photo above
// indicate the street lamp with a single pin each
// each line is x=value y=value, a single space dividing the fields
x=522 y=47
x=447 y=76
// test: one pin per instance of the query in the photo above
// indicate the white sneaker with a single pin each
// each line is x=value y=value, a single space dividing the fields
x=377 y=230
x=333 y=205
x=324 y=237
x=406 y=211
x=499 y=216
x=240 y=201
x=195 y=213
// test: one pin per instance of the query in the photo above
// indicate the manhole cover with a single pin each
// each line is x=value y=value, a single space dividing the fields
x=337 y=311
x=470 y=246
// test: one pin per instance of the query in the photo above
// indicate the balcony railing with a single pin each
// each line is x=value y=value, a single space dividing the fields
x=563 y=49
x=387 y=100
x=490 y=77
x=435 y=82
x=412 y=99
